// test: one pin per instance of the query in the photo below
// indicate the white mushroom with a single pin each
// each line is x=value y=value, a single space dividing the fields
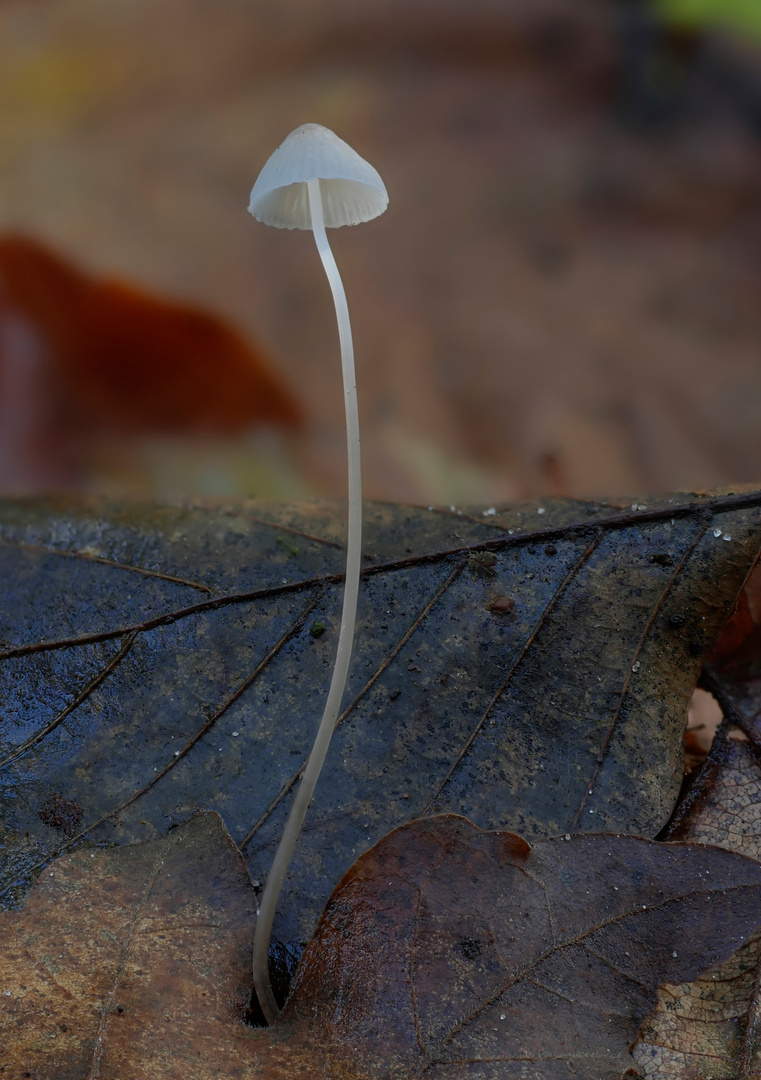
x=350 y=188
x=314 y=180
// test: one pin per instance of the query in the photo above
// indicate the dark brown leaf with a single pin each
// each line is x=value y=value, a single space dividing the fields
x=739 y=638
x=158 y=661
x=449 y=952
x=446 y=952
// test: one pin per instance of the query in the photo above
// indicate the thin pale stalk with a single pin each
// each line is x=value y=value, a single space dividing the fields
x=306 y=788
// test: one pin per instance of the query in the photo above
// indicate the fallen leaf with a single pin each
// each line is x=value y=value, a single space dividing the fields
x=132 y=962
x=449 y=952
x=736 y=686
x=160 y=661
x=740 y=637
x=710 y=1028
x=445 y=952
x=128 y=361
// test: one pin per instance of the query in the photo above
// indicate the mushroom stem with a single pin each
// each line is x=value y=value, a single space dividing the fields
x=314 y=764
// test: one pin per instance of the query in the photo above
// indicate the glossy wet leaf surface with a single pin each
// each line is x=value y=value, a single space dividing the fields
x=160 y=661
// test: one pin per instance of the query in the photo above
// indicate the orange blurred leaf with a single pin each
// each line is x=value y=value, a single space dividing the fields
x=130 y=361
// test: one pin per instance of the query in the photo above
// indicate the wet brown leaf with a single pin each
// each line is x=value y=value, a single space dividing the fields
x=710 y=1028
x=445 y=952
x=448 y=952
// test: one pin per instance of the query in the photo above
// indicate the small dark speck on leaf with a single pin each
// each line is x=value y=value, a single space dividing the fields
x=61 y=813
x=661 y=558
x=501 y=605
x=695 y=648
x=471 y=947
x=550 y=549
x=677 y=620
x=394 y=695
x=317 y=629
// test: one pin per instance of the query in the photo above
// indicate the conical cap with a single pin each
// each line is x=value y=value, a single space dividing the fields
x=352 y=191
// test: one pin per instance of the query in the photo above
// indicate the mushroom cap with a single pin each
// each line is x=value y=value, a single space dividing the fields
x=352 y=191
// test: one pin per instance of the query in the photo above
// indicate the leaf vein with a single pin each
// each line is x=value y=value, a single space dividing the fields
x=528 y=643
x=414 y=625
x=606 y=741
x=104 y=561
x=293 y=629
x=80 y=698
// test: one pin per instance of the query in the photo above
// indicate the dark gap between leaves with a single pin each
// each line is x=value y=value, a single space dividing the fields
x=283 y=961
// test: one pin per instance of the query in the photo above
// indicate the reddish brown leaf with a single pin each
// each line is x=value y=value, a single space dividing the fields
x=131 y=361
x=740 y=637
x=451 y=953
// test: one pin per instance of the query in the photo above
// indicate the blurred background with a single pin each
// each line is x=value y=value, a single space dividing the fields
x=562 y=298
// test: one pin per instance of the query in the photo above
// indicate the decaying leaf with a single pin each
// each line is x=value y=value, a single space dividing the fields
x=132 y=962
x=446 y=952
x=159 y=661
x=741 y=635
x=465 y=954
x=710 y=1028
